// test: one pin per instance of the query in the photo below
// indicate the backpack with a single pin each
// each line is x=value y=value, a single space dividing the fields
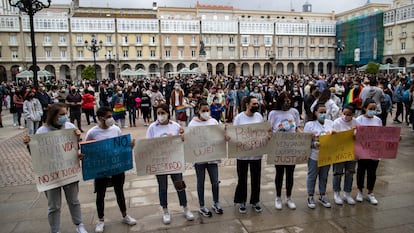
x=384 y=105
x=406 y=96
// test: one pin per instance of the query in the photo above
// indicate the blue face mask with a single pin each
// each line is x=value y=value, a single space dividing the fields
x=322 y=117
x=371 y=113
x=62 y=119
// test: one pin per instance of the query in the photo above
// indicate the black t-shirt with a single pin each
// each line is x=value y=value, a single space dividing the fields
x=74 y=98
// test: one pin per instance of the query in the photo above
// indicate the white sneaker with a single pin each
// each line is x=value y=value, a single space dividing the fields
x=278 y=203
x=129 y=220
x=359 y=197
x=100 y=226
x=290 y=203
x=337 y=198
x=81 y=228
x=188 y=214
x=166 y=218
x=371 y=198
x=348 y=199
x=14 y=125
x=21 y=127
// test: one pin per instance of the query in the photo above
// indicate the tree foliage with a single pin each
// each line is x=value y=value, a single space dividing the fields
x=372 y=68
x=88 y=73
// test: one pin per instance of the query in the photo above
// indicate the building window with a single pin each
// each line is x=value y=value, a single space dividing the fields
x=219 y=40
x=312 y=40
x=152 y=53
x=193 y=40
x=47 y=39
x=290 y=53
x=321 y=52
x=232 y=53
x=125 y=53
x=193 y=53
x=152 y=40
x=180 y=54
x=290 y=41
x=167 y=53
x=267 y=53
x=389 y=32
x=139 y=53
x=167 y=40
x=124 y=39
x=301 y=41
x=280 y=52
x=231 y=40
x=403 y=45
x=219 y=52
x=280 y=40
x=301 y=53
x=62 y=39
x=268 y=40
x=207 y=39
x=48 y=53
x=63 y=53
x=79 y=39
x=108 y=39
x=312 y=52
x=180 y=40
x=138 y=40
x=256 y=53
x=320 y=41
x=14 y=54
x=80 y=53
x=245 y=52
x=256 y=41
x=245 y=40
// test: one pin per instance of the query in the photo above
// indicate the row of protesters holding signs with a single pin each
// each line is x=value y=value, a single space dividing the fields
x=168 y=147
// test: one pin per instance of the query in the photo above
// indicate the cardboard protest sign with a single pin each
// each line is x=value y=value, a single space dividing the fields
x=374 y=142
x=204 y=143
x=164 y=155
x=106 y=157
x=289 y=148
x=55 y=159
x=248 y=140
x=336 y=148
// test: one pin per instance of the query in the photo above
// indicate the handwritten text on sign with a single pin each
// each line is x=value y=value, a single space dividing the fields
x=289 y=148
x=248 y=140
x=106 y=157
x=336 y=148
x=55 y=159
x=373 y=142
x=204 y=143
x=164 y=155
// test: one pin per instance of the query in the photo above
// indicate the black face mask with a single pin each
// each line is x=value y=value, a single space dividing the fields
x=73 y=91
x=286 y=106
x=254 y=109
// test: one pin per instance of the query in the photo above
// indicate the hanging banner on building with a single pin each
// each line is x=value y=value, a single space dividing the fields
x=204 y=143
x=55 y=159
x=289 y=148
x=164 y=155
x=375 y=142
x=106 y=157
x=357 y=53
x=336 y=148
x=248 y=140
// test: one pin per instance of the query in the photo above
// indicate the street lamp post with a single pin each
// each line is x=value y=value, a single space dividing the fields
x=111 y=58
x=30 y=7
x=340 y=46
x=94 y=47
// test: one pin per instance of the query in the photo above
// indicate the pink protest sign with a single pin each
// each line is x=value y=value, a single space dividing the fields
x=375 y=142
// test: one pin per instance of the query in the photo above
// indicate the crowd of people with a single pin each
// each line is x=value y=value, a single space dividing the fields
x=290 y=103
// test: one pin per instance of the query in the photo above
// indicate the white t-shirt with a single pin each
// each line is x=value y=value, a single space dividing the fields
x=317 y=129
x=156 y=130
x=366 y=121
x=243 y=119
x=332 y=110
x=197 y=122
x=284 y=121
x=97 y=133
x=341 y=125
x=46 y=129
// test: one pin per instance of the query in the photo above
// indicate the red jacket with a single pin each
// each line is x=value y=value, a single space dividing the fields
x=88 y=101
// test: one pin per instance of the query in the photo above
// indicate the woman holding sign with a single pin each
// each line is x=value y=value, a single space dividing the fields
x=104 y=130
x=284 y=118
x=319 y=126
x=57 y=120
x=344 y=123
x=203 y=118
x=369 y=166
x=249 y=116
x=164 y=127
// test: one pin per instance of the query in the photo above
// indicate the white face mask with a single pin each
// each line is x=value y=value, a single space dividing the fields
x=162 y=118
x=110 y=122
x=205 y=115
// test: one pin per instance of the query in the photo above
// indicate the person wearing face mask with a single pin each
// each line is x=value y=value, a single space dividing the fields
x=32 y=111
x=203 y=118
x=368 y=166
x=18 y=101
x=177 y=99
x=216 y=109
x=44 y=100
x=56 y=120
x=164 y=127
x=318 y=126
x=118 y=103
x=258 y=95
x=354 y=96
x=346 y=169
x=250 y=115
x=105 y=129
x=74 y=101
x=284 y=118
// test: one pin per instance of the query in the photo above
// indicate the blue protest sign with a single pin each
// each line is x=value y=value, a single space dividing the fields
x=106 y=157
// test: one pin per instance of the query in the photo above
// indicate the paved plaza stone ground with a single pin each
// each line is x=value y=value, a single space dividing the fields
x=23 y=209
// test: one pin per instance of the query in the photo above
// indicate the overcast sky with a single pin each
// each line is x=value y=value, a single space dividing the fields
x=277 y=5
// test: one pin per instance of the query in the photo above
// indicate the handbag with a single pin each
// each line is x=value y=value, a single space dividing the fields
x=181 y=116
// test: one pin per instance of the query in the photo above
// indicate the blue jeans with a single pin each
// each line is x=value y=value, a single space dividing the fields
x=163 y=187
x=313 y=173
x=201 y=174
x=339 y=169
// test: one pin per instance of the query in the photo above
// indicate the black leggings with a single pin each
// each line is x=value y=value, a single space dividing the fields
x=280 y=170
x=100 y=189
x=370 y=167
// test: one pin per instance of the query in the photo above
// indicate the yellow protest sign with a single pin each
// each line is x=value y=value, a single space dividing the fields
x=336 y=148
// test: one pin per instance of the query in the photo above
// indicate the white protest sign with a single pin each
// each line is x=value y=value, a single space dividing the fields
x=164 y=155
x=248 y=140
x=204 y=143
x=289 y=148
x=55 y=159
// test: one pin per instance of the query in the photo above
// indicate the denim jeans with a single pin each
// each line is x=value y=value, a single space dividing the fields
x=339 y=169
x=315 y=172
x=163 y=189
x=212 y=169
x=240 y=195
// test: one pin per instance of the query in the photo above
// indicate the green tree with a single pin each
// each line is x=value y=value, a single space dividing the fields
x=88 y=73
x=372 y=68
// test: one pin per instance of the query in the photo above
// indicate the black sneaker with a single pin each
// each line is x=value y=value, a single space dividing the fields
x=396 y=121
x=242 y=208
x=257 y=207
x=205 y=212
x=324 y=201
x=217 y=208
